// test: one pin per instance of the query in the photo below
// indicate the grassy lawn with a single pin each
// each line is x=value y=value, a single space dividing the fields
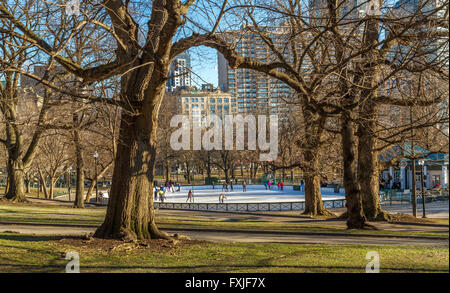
x=94 y=216
x=22 y=253
x=34 y=191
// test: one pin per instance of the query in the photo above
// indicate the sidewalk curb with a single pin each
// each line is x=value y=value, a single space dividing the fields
x=242 y=231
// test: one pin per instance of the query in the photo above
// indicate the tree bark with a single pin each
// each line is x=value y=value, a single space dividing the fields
x=16 y=181
x=130 y=213
x=52 y=186
x=355 y=214
x=79 y=192
x=313 y=197
x=368 y=164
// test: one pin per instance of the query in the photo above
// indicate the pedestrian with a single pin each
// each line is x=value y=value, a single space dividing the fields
x=222 y=197
x=161 y=195
x=281 y=185
x=302 y=185
x=244 y=186
x=156 y=192
x=178 y=187
x=265 y=185
x=189 y=197
x=212 y=183
x=269 y=184
x=231 y=185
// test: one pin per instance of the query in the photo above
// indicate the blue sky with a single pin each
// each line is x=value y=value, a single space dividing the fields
x=204 y=64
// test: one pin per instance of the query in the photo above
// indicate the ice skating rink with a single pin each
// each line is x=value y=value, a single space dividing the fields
x=254 y=194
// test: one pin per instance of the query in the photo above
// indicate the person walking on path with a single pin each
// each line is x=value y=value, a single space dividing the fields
x=222 y=197
x=244 y=186
x=265 y=184
x=212 y=184
x=189 y=197
x=281 y=185
x=302 y=185
x=178 y=187
x=231 y=185
x=269 y=184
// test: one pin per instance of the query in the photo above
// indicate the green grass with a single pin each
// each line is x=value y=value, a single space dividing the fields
x=34 y=191
x=51 y=214
x=95 y=216
x=22 y=253
x=179 y=222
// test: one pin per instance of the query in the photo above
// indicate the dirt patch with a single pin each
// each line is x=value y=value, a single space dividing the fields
x=112 y=246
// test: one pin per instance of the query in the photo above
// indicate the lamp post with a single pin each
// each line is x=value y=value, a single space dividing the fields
x=422 y=163
x=96 y=175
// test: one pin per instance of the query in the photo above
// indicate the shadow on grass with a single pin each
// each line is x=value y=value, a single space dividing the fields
x=20 y=237
x=212 y=268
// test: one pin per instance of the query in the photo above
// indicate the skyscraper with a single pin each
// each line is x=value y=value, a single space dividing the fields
x=180 y=72
x=255 y=92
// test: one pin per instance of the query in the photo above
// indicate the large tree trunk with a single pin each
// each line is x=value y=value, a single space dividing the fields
x=355 y=214
x=313 y=127
x=130 y=213
x=313 y=197
x=368 y=165
x=79 y=192
x=43 y=184
x=16 y=181
x=51 y=194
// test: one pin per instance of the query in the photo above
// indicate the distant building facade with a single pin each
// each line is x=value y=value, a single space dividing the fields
x=180 y=72
x=255 y=92
x=197 y=104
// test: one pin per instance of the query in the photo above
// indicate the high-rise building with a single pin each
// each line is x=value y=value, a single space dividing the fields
x=348 y=9
x=255 y=92
x=180 y=72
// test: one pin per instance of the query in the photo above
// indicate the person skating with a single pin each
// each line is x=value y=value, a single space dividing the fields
x=222 y=197
x=225 y=187
x=156 y=193
x=189 y=197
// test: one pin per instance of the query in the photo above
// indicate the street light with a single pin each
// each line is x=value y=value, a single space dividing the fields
x=96 y=175
x=422 y=163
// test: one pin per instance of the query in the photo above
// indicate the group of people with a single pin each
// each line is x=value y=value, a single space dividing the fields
x=228 y=186
x=161 y=191
x=268 y=184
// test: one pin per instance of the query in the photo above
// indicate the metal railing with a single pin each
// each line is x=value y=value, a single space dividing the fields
x=395 y=195
x=247 y=207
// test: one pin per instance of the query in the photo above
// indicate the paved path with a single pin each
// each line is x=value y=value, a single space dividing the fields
x=437 y=209
x=291 y=217
x=241 y=237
